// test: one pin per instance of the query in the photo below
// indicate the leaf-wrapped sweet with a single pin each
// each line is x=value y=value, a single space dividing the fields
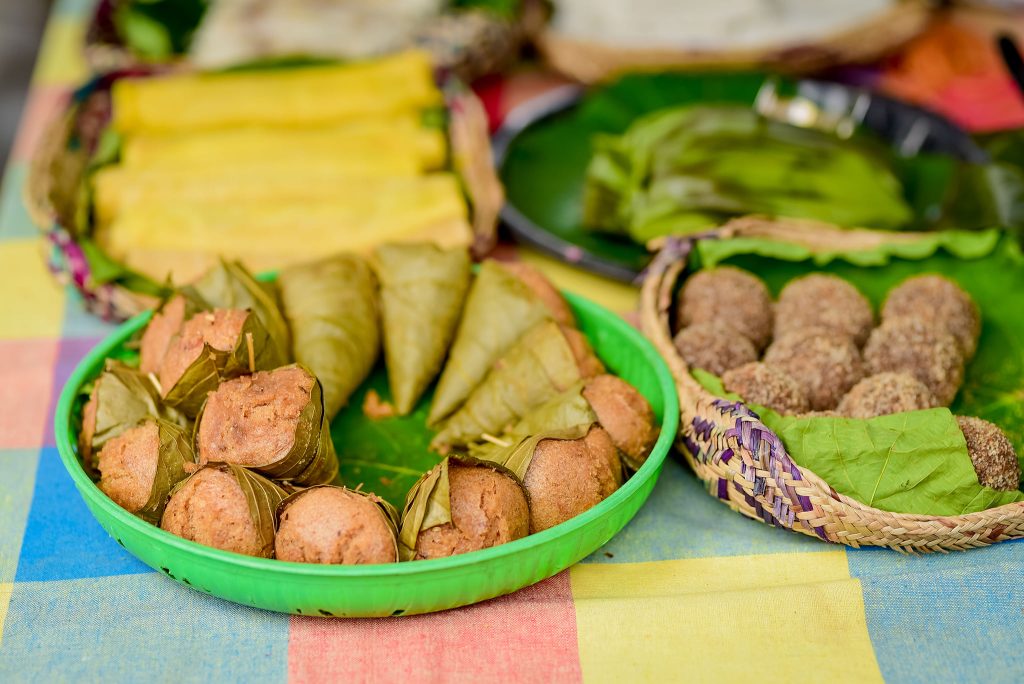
x=422 y=291
x=332 y=308
x=500 y=308
x=271 y=421
x=547 y=360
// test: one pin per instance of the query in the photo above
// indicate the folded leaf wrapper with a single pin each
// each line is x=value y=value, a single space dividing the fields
x=332 y=307
x=422 y=291
x=538 y=368
x=254 y=350
x=428 y=504
x=500 y=308
x=516 y=456
x=175 y=457
x=121 y=398
x=387 y=511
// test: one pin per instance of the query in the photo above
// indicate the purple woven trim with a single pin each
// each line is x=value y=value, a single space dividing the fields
x=69 y=265
x=723 y=489
x=726 y=456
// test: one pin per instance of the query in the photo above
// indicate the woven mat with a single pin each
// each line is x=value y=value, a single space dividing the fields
x=688 y=591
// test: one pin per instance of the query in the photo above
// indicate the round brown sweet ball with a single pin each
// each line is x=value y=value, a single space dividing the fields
x=939 y=302
x=333 y=525
x=769 y=386
x=127 y=465
x=886 y=393
x=488 y=508
x=624 y=414
x=219 y=328
x=991 y=452
x=823 y=301
x=823 y=364
x=714 y=346
x=544 y=289
x=210 y=508
x=730 y=295
x=252 y=420
x=909 y=345
x=157 y=337
x=569 y=476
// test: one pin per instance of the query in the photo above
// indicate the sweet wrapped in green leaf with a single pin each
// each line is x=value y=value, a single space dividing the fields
x=500 y=308
x=165 y=323
x=139 y=467
x=422 y=291
x=332 y=308
x=228 y=285
x=547 y=360
x=271 y=421
x=227 y=507
x=120 y=398
x=213 y=346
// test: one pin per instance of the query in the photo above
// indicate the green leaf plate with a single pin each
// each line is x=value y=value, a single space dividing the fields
x=386 y=457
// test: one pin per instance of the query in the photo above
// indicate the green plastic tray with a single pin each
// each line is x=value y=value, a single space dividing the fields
x=398 y=588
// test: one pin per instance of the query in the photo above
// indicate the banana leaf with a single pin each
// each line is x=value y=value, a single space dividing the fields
x=254 y=350
x=387 y=511
x=500 y=308
x=332 y=307
x=175 y=455
x=120 y=398
x=914 y=462
x=228 y=285
x=423 y=289
x=539 y=367
x=311 y=460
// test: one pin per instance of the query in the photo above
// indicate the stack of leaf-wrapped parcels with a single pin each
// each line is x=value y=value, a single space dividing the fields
x=222 y=431
x=274 y=166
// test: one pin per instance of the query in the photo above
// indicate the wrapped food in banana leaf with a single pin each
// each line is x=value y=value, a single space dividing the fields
x=280 y=97
x=422 y=291
x=120 y=398
x=139 y=467
x=547 y=360
x=210 y=347
x=332 y=308
x=336 y=525
x=227 y=507
x=271 y=421
x=500 y=308
x=462 y=505
x=161 y=329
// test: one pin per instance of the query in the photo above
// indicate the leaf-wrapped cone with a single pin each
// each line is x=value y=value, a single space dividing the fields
x=140 y=466
x=422 y=291
x=500 y=308
x=229 y=285
x=335 y=533
x=271 y=421
x=253 y=350
x=121 y=397
x=332 y=308
x=429 y=505
x=224 y=526
x=547 y=360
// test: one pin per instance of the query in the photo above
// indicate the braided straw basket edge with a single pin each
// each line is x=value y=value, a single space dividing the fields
x=746 y=466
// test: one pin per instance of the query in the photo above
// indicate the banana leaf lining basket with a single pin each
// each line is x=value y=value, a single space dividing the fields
x=746 y=465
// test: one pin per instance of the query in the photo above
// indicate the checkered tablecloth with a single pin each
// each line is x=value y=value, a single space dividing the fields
x=688 y=591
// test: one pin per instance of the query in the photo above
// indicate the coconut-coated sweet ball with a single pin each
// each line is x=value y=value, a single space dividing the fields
x=939 y=302
x=730 y=295
x=823 y=301
x=886 y=393
x=333 y=525
x=909 y=345
x=823 y=364
x=764 y=385
x=714 y=346
x=992 y=453
x=210 y=508
x=488 y=508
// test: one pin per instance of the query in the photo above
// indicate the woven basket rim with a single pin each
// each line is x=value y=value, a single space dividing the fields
x=663 y=275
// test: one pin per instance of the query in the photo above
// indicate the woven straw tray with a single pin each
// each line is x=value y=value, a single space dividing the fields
x=746 y=466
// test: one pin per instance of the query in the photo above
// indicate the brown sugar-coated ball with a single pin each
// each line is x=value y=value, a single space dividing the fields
x=714 y=346
x=730 y=295
x=991 y=452
x=912 y=346
x=764 y=385
x=886 y=393
x=823 y=364
x=938 y=302
x=823 y=301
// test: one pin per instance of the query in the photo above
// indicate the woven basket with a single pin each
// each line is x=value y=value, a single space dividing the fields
x=745 y=464
x=52 y=192
x=591 y=62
